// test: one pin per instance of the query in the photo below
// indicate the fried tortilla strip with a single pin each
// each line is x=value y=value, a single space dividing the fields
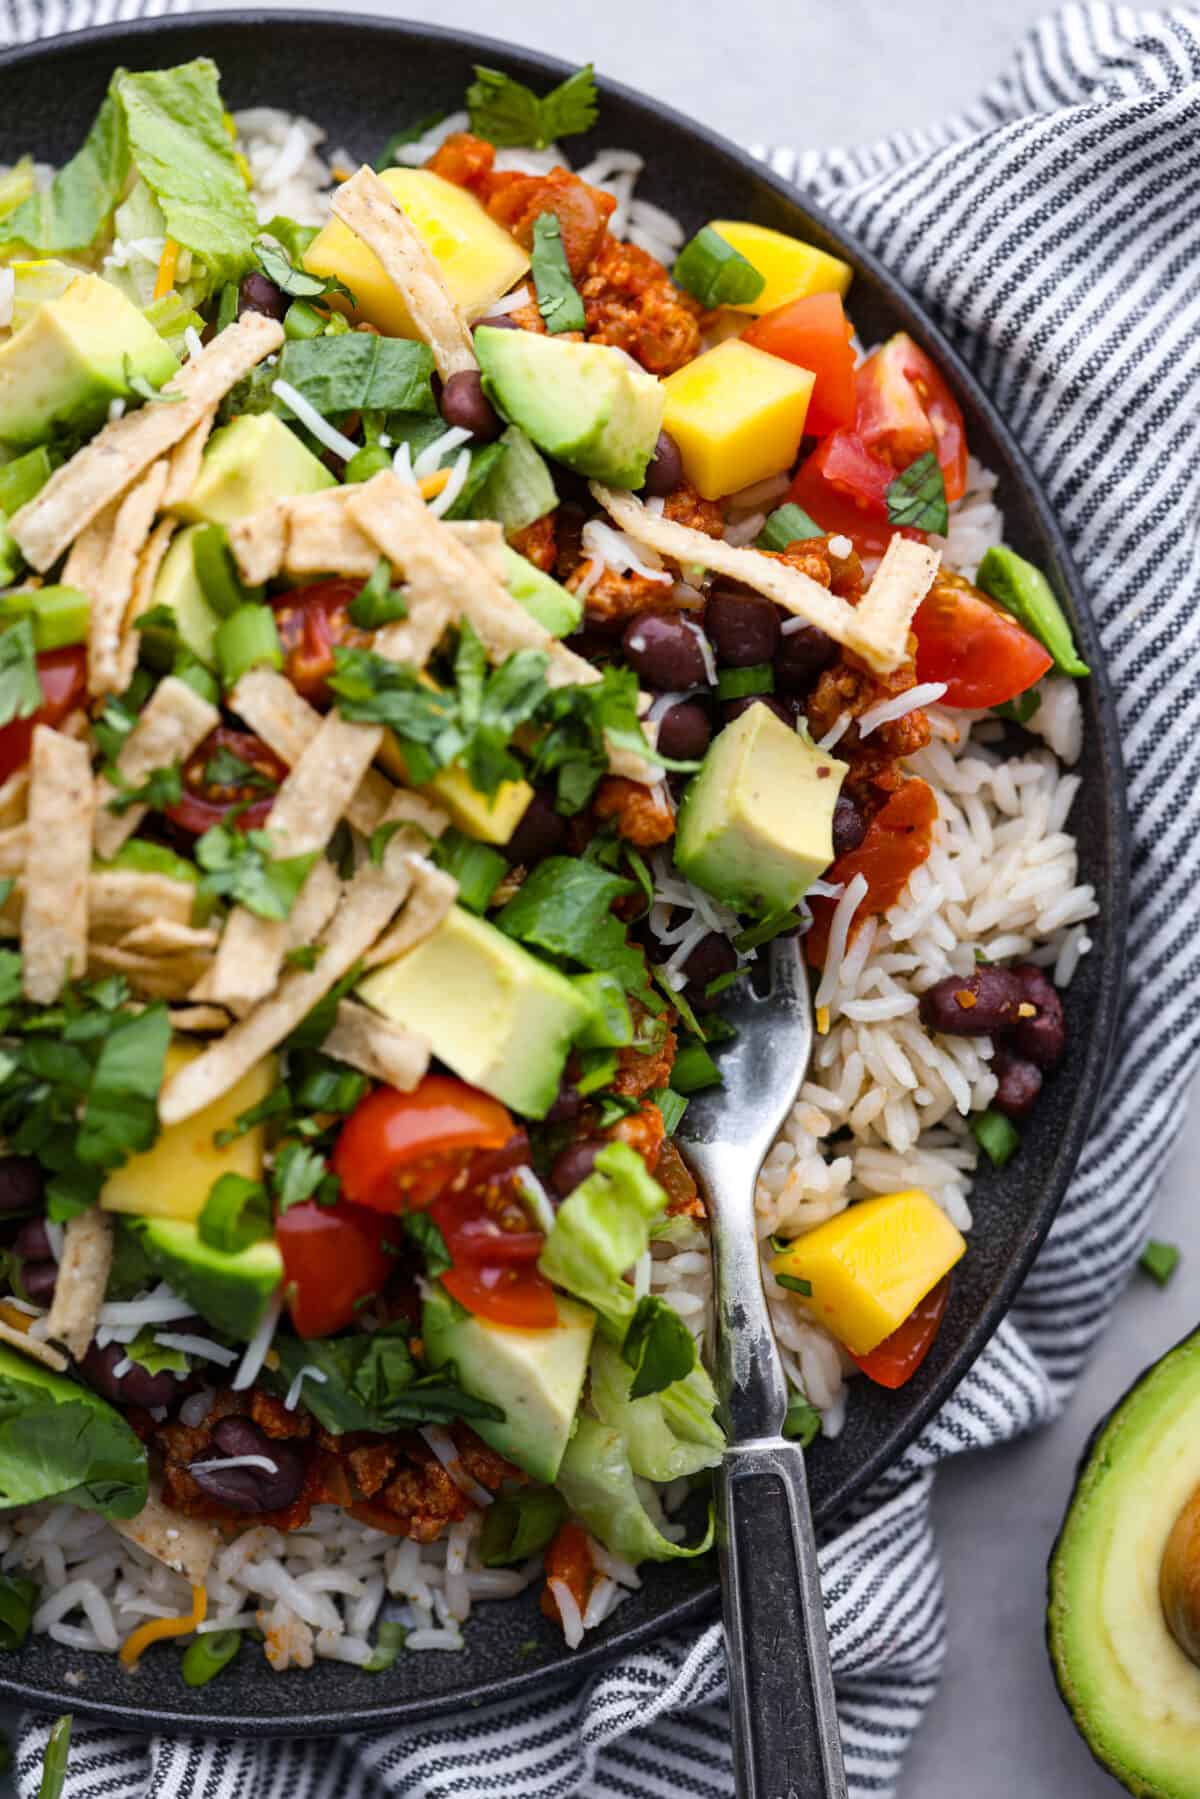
x=202 y=1020
x=788 y=587
x=174 y=722
x=306 y=811
x=369 y=902
x=164 y=937
x=34 y=1348
x=149 y=563
x=119 y=453
x=89 y=553
x=14 y=846
x=185 y=460
x=287 y=724
x=156 y=977
x=375 y=1046
x=886 y=611
x=365 y=205
x=121 y=899
x=83 y=1271
x=185 y=1545
x=433 y=894
x=109 y=670
x=14 y=799
x=315 y=535
x=54 y=916
x=259 y=543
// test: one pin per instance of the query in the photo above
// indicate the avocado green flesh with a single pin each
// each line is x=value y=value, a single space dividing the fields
x=246 y=465
x=534 y=1376
x=232 y=1292
x=177 y=587
x=1134 y=1695
x=554 y=607
x=587 y=405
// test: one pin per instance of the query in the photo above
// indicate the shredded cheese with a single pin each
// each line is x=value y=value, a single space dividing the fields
x=429 y=486
x=158 y=1629
x=16 y=1320
x=164 y=281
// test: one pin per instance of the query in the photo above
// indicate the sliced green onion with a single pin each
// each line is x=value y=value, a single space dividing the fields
x=370 y=460
x=390 y=1639
x=302 y=320
x=787 y=524
x=217 y=572
x=599 y=1068
x=794 y=1284
x=722 y=982
x=803 y=1421
x=997 y=1136
x=1021 y=708
x=247 y=639
x=477 y=867
x=557 y=296
x=773 y=925
x=207 y=1655
x=739 y=683
x=377 y=602
x=236 y=1214
x=1159 y=1260
x=59 y=615
x=1024 y=591
x=227 y=306
x=192 y=672
x=519 y=1525
x=672 y=1106
x=715 y=273
x=18 y=1598
x=23 y=478
x=694 y=1070
x=54 y=1762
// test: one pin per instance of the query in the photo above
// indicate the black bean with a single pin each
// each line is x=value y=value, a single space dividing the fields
x=666 y=650
x=801 y=656
x=1042 y=1038
x=503 y=321
x=20 y=1184
x=250 y=1489
x=685 y=731
x=541 y=832
x=665 y=470
x=136 y=1386
x=32 y=1243
x=742 y=627
x=849 y=825
x=1018 y=1084
x=783 y=708
x=974 y=1005
x=258 y=293
x=714 y=955
x=38 y=1281
x=573 y=1165
x=568 y=1104
x=465 y=404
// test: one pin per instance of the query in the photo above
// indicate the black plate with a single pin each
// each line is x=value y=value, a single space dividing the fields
x=364 y=78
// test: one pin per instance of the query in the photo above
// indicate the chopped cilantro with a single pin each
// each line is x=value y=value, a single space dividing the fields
x=296 y=283
x=508 y=113
x=162 y=787
x=299 y=1173
x=20 y=686
x=557 y=296
x=917 y=496
x=239 y=866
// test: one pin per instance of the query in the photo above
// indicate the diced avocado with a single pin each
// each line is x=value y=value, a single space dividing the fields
x=64 y=1442
x=534 y=1376
x=1123 y=1591
x=755 y=826
x=177 y=587
x=247 y=464
x=555 y=608
x=587 y=405
x=519 y=490
x=75 y=356
x=493 y=1013
x=491 y=818
x=231 y=1292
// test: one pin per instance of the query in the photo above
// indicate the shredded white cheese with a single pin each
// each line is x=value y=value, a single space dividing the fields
x=202 y=1347
x=256 y=1349
x=925 y=694
x=308 y=415
x=442 y=503
x=309 y=1372
x=241 y=1461
x=430 y=459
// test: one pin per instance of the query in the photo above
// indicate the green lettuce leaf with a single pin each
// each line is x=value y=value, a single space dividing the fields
x=564 y=908
x=599 y=1231
x=79 y=202
x=666 y=1434
x=372 y=1383
x=59 y=1440
x=597 y=1482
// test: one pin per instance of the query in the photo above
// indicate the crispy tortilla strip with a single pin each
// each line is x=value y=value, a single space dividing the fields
x=369 y=209
x=165 y=937
x=259 y=543
x=287 y=724
x=375 y=1046
x=433 y=894
x=54 y=917
x=14 y=844
x=119 y=453
x=155 y=977
x=485 y=540
x=149 y=563
x=84 y=567
x=185 y=1545
x=185 y=460
x=174 y=722
x=109 y=669
x=875 y=642
x=14 y=799
x=885 y=612
x=315 y=535
x=34 y=1348
x=83 y=1271
x=203 y=1020
x=120 y=899
x=234 y=967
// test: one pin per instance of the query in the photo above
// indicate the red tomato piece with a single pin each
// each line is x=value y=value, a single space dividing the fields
x=905 y=409
x=843 y=487
x=396 y=1151
x=333 y=1259
x=814 y=334
x=898 y=840
x=63 y=677
x=568 y=1559
x=898 y=1357
x=204 y=804
x=312 y=622
x=486 y=1229
x=980 y=651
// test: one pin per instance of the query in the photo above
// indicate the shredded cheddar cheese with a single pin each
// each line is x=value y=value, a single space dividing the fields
x=431 y=485
x=15 y=1319
x=164 y=281
x=158 y=1629
x=823 y=1021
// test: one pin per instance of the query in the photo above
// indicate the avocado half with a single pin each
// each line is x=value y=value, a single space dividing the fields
x=1133 y=1693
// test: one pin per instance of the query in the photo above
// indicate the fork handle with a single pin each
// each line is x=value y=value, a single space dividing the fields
x=786 y=1743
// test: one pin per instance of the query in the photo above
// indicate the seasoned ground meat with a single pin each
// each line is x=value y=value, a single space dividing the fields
x=813 y=556
x=642 y=816
x=517 y=201
x=851 y=687
x=640 y=1071
x=616 y=596
x=629 y=300
x=465 y=160
x=537 y=542
x=685 y=507
x=675 y=1178
x=644 y=1132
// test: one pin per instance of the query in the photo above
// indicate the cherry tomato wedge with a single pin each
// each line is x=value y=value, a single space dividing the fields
x=204 y=803
x=311 y=622
x=898 y=840
x=844 y=488
x=486 y=1229
x=906 y=409
x=63 y=675
x=898 y=1357
x=396 y=1151
x=333 y=1259
x=982 y=654
x=815 y=334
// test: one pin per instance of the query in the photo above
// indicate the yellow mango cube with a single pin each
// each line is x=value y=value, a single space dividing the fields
x=873 y=1263
x=791 y=269
x=173 y=1178
x=478 y=259
x=737 y=415
x=491 y=819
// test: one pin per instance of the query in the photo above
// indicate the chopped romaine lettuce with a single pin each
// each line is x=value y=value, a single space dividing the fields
x=71 y=213
x=597 y=1482
x=599 y=1231
x=59 y=1440
x=667 y=1434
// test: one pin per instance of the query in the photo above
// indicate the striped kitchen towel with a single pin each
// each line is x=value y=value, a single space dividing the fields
x=1053 y=231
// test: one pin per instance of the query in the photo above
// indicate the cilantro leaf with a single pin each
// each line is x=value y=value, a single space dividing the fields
x=120 y=1115
x=225 y=769
x=377 y=602
x=558 y=297
x=239 y=866
x=299 y=1173
x=371 y=1382
x=162 y=787
x=277 y=265
x=658 y=1346
x=421 y=1229
x=20 y=686
x=917 y=496
x=508 y=113
x=564 y=908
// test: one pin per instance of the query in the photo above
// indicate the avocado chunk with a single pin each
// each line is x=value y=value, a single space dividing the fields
x=555 y=608
x=587 y=405
x=231 y=1291
x=755 y=826
x=76 y=356
x=246 y=465
x=59 y=1440
x=1132 y=1691
x=493 y=1013
x=177 y=588
x=534 y=1376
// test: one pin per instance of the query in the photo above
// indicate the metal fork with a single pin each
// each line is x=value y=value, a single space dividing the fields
x=785 y=1730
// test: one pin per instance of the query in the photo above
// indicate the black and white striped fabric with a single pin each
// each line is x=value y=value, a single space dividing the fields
x=1054 y=233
